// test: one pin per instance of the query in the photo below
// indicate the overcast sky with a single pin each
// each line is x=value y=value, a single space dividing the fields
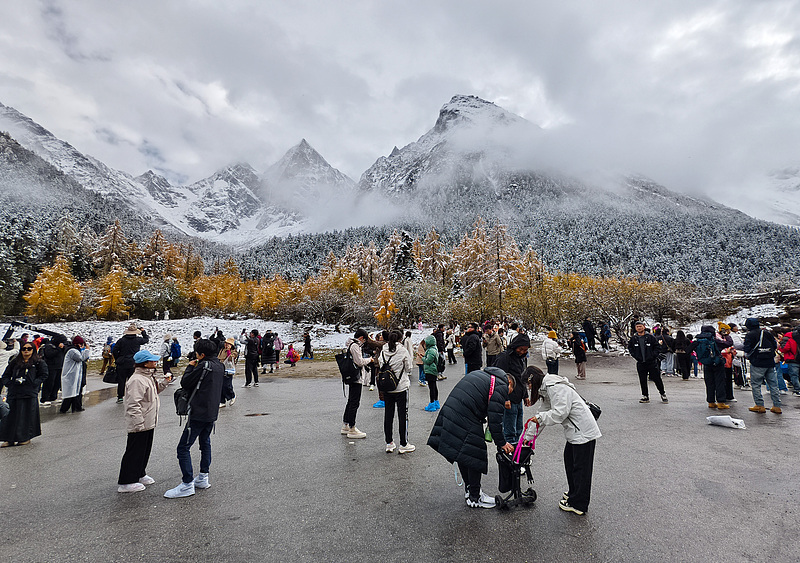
x=697 y=95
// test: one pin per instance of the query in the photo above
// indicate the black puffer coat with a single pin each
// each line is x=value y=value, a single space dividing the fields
x=457 y=433
x=513 y=364
x=32 y=376
x=205 y=404
x=126 y=347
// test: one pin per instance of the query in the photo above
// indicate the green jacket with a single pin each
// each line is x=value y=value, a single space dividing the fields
x=430 y=362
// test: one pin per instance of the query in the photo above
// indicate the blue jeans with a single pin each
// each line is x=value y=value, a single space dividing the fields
x=794 y=374
x=194 y=430
x=757 y=377
x=779 y=376
x=512 y=423
x=421 y=373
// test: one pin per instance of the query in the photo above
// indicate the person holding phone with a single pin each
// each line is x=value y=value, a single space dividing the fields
x=73 y=375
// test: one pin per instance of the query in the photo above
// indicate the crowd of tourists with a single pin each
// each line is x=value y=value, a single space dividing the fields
x=486 y=404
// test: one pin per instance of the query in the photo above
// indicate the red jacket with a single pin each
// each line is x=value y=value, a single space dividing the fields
x=789 y=350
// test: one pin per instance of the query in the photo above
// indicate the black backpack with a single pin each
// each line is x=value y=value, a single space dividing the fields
x=386 y=380
x=347 y=367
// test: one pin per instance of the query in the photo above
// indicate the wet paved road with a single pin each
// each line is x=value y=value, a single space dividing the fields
x=287 y=487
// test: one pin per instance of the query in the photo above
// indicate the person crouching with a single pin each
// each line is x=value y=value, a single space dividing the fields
x=141 y=415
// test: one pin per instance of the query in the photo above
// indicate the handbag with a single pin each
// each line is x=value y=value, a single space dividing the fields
x=111 y=375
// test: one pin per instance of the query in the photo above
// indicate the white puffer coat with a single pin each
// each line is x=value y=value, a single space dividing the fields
x=563 y=405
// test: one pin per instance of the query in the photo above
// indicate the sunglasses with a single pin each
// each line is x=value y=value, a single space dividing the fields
x=26 y=349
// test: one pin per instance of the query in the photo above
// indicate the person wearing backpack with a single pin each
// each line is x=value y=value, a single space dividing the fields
x=268 y=352
x=175 y=351
x=643 y=347
x=354 y=346
x=108 y=359
x=277 y=344
x=252 y=351
x=709 y=354
x=759 y=348
x=789 y=350
x=395 y=357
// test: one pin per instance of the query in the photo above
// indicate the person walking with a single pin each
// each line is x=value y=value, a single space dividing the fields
x=203 y=377
x=166 y=354
x=308 y=353
x=458 y=433
x=141 y=416
x=73 y=376
x=131 y=342
x=228 y=356
x=252 y=351
x=551 y=351
x=563 y=405
x=759 y=348
x=354 y=346
x=430 y=362
x=579 y=352
x=22 y=377
x=395 y=356
x=643 y=348
x=53 y=352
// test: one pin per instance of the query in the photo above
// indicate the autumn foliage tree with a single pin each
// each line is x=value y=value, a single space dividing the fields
x=56 y=294
x=386 y=309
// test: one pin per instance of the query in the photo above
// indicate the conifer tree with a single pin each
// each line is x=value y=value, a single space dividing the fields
x=386 y=309
x=114 y=248
x=110 y=299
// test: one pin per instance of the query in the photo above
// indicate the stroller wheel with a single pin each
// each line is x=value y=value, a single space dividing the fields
x=500 y=502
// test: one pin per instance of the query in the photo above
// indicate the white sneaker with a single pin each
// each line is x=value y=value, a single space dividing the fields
x=255 y=384
x=223 y=405
x=130 y=488
x=245 y=385
x=390 y=447
x=230 y=403
x=784 y=392
x=485 y=501
x=147 y=480
x=355 y=433
x=372 y=388
x=407 y=449
x=47 y=403
x=201 y=481
x=345 y=429
x=182 y=490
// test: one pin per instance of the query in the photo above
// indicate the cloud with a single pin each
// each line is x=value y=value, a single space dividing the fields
x=701 y=97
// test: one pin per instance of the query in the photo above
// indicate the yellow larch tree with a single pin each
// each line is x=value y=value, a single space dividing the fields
x=56 y=294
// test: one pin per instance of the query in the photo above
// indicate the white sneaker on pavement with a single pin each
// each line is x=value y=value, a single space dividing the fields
x=201 y=481
x=355 y=433
x=407 y=449
x=147 y=480
x=182 y=490
x=390 y=447
x=345 y=428
x=130 y=488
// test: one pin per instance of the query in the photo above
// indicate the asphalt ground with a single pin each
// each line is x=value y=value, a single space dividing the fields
x=286 y=486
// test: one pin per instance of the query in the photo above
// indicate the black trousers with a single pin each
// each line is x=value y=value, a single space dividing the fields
x=473 y=367
x=353 y=401
x=490 y=360
x=684 y=362
x=136 y=456
x=51 y=385
x=714 y=377
x=451 y=357
x=433 y=389
x=227 y=389
x=653 y=371
x=401 y=400
x=729 y=383
x=251 y=370
x=75 y=402
x=578 y=463
x=123 y=374
x=472 y=480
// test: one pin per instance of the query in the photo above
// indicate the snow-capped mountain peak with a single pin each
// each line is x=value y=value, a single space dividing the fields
x=472 y=111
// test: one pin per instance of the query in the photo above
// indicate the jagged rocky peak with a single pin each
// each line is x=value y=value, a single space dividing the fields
x=471 y=110
x=303 y=166
x=395 y=151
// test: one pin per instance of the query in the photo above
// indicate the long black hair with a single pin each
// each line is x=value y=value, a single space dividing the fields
x=533 y=376
x=395 y=336
x=34 y=359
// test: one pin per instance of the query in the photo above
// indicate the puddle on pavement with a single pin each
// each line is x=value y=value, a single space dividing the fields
x=91 y=399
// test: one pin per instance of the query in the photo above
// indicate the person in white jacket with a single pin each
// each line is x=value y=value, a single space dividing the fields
x=551 y=351
x=399 y=361
x=563 y=405
x=354 y=393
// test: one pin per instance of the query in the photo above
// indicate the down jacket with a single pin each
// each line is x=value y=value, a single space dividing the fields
x=458 y=432
x=563 y=405
x=550 y=349
x=141 y=400
x=513 y=364
x=205 y=404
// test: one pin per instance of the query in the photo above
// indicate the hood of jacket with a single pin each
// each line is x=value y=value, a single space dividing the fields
x=752 y=324
x=707 y=329
x=520 y=340
x=430 y=341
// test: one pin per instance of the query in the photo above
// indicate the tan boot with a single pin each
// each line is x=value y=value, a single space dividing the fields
x=757 y=408
x=776 y=410
x=26 y=442
x=712 y=405
x=723 y=406
x=5 y=444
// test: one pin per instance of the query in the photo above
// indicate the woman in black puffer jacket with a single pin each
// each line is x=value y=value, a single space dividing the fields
x=458 y=431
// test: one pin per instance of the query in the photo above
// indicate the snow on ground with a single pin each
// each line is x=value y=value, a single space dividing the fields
x=323 y=337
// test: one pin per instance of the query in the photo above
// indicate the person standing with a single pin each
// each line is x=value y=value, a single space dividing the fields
x=759 y=348
x=450 y=345
x=419 y=354
x=354 y=346
x=514 y=361
x=205 y=376
x=471 y=348
x=252 y=351
x=643 y=347
x=683 y=355
x=458 y=433
x=166 y=354
x=308 y=353
x=131 y=342
x=667 y=349
x=605 y=337
x=73 y=376
x=590 y=332
x=579 y=352
x=563 y=405
x=396 y=356
x=708 y=353
x=493 y=344
x=788 y=347
x=108 y=359
x=267 y=352
x=430 y=362
x=228 y=356
x=551 y=351
x=22 y=377
x=277 y=344
x=53 y=352
x=141 y=416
